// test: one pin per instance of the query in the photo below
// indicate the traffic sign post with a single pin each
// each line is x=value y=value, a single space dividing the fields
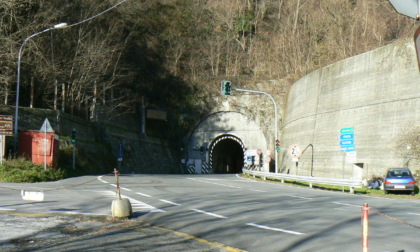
x=347 y=139
x=227 y=91
x=73 y=140
x=295 y=152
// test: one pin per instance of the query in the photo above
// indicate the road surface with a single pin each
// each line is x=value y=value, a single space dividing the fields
x=238 y=213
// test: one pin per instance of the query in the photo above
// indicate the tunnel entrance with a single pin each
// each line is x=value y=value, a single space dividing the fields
x=227 y=155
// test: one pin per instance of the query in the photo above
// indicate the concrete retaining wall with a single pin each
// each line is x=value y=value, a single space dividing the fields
x=377 y=93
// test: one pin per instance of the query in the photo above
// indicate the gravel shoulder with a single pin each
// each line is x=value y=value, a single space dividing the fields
x=32 y=232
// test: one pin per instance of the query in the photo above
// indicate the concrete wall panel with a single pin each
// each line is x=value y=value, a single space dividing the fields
x=377 y=93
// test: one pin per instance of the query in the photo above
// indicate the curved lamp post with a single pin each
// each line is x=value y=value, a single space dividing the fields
x=57 y=26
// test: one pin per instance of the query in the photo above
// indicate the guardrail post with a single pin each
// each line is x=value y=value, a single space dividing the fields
x=352 y=190
x=365 y=224
x=310 y=184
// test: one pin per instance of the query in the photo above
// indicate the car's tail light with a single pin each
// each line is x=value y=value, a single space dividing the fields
x=412 y=182
x=387 y=182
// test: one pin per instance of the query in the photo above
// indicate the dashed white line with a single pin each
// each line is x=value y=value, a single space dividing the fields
x=236 y=187
x=7 y=209
x=103 y=181
x=208 y=213
x=141 y=206
x=299 y=197
x=143 y=194
x=126 y=189
x=255 y=190
x=170 y=202
x=274 y=229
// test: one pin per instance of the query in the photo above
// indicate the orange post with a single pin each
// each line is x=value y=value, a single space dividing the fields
x=365 y=225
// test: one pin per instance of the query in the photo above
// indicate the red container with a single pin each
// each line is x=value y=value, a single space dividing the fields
x=39 y=147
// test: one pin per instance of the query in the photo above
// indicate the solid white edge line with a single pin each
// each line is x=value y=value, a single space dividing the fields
x=414 y=213
x=170 y=202
x=208 y=213
x=274 y=229
x=345 y=204
x=7 y=209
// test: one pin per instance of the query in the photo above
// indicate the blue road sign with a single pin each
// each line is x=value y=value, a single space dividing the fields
x=346 y=136
x=347 y=139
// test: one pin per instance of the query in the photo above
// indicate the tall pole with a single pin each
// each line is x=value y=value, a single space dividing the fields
x=57 y=26
x=275 y=122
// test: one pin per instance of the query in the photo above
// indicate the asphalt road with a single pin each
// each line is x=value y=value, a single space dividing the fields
x=210 y=210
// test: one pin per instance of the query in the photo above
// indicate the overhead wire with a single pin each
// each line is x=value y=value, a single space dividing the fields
x=97 y=15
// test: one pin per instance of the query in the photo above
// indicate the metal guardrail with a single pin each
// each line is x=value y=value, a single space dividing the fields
x=308 y=179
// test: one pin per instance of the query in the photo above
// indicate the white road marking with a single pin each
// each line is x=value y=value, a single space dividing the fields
x=200 y=180
x=345 y=204
x=274 y=229
x=208 y=213
x=299 y=197
x=143 y=194
x=135 y=204
x=126 y=189
x=170 y=202
x=241 y=179
x=7 y=209
x=100 y=179
x=414 y=213
x=255 y=190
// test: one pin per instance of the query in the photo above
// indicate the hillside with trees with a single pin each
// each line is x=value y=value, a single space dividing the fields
x=173 y=53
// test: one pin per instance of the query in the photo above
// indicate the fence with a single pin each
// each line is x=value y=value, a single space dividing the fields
x=308 y=179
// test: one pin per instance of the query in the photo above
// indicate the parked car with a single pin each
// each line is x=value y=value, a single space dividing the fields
x=399 y=179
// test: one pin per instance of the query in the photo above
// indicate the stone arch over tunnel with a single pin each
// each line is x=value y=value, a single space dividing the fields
x=229 y=131
x=227 y=154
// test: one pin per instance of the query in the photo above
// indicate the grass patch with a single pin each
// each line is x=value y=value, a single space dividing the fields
x=362 y=191
x=20 y=170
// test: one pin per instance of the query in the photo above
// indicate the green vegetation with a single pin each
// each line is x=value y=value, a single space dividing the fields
x=362 y=191
x=20 y=170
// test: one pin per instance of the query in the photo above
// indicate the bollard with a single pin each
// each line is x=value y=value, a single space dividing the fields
x=365 y=225
x=120 y=207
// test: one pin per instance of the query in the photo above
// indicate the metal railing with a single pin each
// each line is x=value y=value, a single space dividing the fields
x=308 y=179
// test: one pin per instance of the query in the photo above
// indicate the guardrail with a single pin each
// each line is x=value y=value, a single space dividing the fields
x=308 y=179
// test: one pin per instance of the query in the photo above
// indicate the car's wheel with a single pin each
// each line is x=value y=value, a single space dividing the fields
x=413 y=193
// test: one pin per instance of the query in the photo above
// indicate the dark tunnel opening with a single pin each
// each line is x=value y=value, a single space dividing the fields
x=228 y=157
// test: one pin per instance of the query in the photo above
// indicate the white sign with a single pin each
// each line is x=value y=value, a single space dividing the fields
x=32 y=195
x=351 y=157
x=295 y=151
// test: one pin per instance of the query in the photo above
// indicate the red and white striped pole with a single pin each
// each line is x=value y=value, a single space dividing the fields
x=365 y=225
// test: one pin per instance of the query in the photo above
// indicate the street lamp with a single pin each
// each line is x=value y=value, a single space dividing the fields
x=57 y=26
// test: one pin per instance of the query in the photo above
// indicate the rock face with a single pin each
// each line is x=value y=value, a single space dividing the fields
x=376 y=93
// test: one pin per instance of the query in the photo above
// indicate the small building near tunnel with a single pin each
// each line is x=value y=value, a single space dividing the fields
x=219 y=143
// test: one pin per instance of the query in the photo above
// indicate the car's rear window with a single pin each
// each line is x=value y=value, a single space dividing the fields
x=399 y=174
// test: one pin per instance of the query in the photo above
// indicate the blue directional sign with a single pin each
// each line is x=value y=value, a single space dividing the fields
x=347 y=139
